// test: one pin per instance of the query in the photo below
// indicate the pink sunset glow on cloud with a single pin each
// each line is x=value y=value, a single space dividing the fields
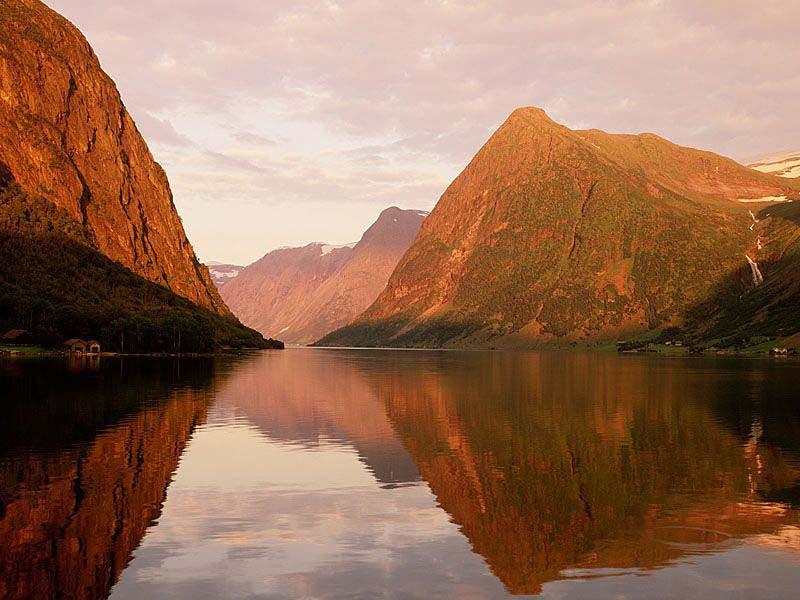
x=284 y=123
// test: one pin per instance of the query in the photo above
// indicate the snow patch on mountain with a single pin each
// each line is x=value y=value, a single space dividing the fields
x=224 y=274
x=784 y=165
x=328 y=248
x=764 y=199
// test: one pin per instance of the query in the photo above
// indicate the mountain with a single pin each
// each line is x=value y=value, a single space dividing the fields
x=272 y=293
x=786 y=164
x=91 y=245
x=221 y=273
x=55 y=283
x=300 y=294
x=66 y=136
x=553 y=235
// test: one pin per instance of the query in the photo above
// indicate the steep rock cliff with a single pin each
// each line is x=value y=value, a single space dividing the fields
x=66 y=136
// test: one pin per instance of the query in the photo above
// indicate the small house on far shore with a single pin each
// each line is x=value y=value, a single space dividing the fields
x=93 y=347
x=75 y=346
x=17 y=337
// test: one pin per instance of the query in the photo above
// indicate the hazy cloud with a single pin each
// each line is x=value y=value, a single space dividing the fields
x=254 y=139
x=160 y=130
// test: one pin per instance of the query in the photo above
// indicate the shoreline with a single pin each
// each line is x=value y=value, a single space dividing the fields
x=36 y=352
x=608 y=348
x=599 y=348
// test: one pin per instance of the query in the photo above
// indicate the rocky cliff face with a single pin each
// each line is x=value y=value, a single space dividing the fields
x=555 y=234
x=66 y=136
x=300 y=294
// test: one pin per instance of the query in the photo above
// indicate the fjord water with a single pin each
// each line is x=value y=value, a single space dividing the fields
x=348 y=473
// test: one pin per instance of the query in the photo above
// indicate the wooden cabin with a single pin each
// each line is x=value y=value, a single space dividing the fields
x=17 y=337
x=93 y=347
x=75 y=346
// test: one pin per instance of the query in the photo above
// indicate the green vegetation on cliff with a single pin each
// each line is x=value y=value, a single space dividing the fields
x=59 y=288
x=557 y=236
x=54 y=283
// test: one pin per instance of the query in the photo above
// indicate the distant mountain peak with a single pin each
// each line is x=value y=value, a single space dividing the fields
x=303 y=293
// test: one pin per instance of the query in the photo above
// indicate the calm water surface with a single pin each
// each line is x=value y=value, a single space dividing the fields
x=336 y=473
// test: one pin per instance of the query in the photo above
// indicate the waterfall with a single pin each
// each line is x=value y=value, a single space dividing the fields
x=758 y=278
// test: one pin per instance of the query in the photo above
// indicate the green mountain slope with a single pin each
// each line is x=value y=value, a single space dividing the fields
x=55 y=283
x=551 y=234
x=739 y=313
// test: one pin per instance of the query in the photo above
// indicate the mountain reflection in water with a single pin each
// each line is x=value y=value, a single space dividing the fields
x=86 y=454
x=339 y=473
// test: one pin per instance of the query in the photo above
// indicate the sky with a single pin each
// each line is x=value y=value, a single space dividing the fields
x=282 y=123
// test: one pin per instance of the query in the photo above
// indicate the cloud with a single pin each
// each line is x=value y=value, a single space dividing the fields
x=254 y=139
x=233 y=163
x=160 y=130
x=414 y=88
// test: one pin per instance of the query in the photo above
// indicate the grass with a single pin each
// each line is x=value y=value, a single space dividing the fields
x=606 y=347
x=22 y=349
